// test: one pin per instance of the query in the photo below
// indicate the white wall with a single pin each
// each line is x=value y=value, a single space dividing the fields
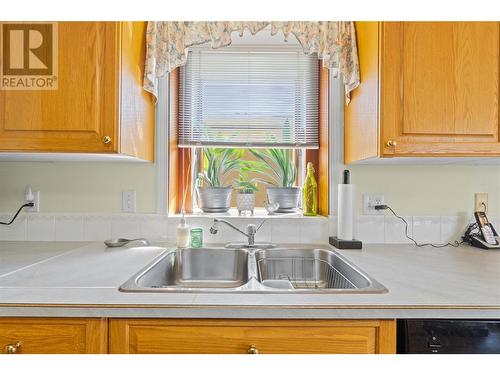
x=78 y=187
x=429 y=190
x=97 y=187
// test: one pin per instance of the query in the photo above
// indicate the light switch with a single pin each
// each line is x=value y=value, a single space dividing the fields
x=129 y=201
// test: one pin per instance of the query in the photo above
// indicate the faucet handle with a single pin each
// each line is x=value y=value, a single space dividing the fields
x=251 y=229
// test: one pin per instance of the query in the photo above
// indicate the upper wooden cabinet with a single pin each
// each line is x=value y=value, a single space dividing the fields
x=99 y=105
x=427 y=89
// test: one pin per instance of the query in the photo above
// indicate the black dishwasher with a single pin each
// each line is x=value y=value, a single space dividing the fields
x=448 y=336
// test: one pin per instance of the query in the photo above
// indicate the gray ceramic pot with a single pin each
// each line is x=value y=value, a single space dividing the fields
x=214 y=199
x=286 y=197
x=245 y=202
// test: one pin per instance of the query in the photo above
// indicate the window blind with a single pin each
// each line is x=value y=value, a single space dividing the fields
x=249 y=99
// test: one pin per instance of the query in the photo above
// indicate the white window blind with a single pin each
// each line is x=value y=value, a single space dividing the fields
x=249 y=99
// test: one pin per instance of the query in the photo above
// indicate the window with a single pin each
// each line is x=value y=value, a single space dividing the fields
x=245 y=98
x=249 y=99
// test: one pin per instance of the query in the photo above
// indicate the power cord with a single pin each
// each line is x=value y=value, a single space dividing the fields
x=386 y=207
x=30 y=204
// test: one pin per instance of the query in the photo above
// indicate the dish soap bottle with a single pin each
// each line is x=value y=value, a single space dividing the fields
x=310 y=193
x=182 y=233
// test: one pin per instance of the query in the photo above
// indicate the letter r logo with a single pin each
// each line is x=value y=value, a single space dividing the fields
x=27 y=49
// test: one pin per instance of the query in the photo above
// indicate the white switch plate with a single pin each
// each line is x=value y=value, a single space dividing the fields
x=371 y=200
x=129 y=201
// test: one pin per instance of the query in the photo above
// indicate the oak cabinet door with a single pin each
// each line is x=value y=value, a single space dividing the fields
x=188 y=336
x=83 y=110
x=53 y=336
x=440 y=88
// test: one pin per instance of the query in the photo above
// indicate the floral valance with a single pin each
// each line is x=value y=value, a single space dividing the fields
x=168 y=43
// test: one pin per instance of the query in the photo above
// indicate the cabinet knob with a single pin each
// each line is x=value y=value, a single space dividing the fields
x=253 y=350
x=391 y=143
x=13 y=349
x=106 y=139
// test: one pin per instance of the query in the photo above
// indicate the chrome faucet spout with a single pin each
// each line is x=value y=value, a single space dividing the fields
x=250 y=233
x=214 y=228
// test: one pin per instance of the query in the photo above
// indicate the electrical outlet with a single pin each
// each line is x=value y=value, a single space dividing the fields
x=32 y=196
x=128 y=201
x=481 y=202
x=370 y=201
x=36 y=202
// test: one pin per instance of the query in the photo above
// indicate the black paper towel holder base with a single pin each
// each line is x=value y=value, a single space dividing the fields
x=345 y=244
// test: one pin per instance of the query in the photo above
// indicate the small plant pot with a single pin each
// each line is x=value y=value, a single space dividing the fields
x=245 y=202
x=214 y=199
x=286 y=197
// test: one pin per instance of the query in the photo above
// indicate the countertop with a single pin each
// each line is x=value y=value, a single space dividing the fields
x=82 y=279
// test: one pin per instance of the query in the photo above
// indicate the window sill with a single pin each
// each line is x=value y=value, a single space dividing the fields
x=259 y=213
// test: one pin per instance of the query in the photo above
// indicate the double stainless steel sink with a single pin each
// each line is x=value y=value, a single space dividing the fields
x=279 y=270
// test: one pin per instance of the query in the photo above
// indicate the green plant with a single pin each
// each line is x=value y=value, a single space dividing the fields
x=245 y=184
x=280 y=164
x=217 y=163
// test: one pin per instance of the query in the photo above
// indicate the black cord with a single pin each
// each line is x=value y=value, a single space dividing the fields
x=386 y=207
x=30 y=204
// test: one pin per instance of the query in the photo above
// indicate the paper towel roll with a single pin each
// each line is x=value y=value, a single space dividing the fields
x=345 y=214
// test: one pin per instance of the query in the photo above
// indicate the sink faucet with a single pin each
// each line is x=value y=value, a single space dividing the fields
x=250 y=233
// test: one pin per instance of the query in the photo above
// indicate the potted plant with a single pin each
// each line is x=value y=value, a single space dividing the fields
x=246 y=187
x=213 y=194
x=283 y=172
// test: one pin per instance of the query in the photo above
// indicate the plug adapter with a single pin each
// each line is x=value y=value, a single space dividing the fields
x=32 y=197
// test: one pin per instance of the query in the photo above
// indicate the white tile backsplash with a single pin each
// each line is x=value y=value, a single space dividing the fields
x=427 y=229
x=97 y=227
x=205 y=224
x=154 y=227
x=41 y=227
x=69 y=228
x=370 y=229
x=126 y=226
x=285 y=231
x=16 y=231
x=314 y=230
x=452 y=228
x=332 y=225
x=172 y=227
x=264 y=233
x=394 y=229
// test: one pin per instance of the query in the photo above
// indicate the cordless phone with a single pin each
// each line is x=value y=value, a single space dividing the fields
x=486 y=237
x=485 y=227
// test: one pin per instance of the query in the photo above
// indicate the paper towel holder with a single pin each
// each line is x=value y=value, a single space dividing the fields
x=345 y=244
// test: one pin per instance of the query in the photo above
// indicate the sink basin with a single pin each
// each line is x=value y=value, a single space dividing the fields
x=226 y=270
x=312 y=269
x=193 y=269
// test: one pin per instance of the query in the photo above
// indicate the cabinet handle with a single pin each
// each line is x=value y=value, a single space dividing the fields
x=13 y=349
x=106 y=139
x=391 y=143
x=253 y=350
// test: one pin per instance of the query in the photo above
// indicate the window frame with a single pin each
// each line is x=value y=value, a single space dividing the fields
x=179 y=157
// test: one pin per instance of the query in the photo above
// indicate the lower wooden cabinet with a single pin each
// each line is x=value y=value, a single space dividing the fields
x=53 y=336
x=155 y=336
x=195 y=336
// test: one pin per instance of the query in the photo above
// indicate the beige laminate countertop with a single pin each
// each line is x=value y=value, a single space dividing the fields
x=82 y=279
